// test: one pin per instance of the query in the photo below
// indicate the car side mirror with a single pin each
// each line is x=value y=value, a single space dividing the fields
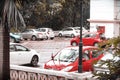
x=52 y=57
x=83 y=59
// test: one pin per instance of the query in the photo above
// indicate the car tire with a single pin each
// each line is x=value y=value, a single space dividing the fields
x=52 y=38
x=25 y=38
x=60 y=35
x=34 y=38
x=72 y=35
x=34 y=61
x=74 y=44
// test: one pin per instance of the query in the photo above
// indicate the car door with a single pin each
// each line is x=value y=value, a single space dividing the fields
x=23 y=54
x=64 y=32
x=27 y=34
x=86 y=61
x=13 y=55
x=95 y=55
x=86 y=39
x=89 y=39
x=91 y=56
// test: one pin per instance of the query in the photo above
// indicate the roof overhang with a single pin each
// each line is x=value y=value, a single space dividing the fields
x=102 y=21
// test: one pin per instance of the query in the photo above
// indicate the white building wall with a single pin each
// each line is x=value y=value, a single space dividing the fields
x=102 y=10
x=117 y=17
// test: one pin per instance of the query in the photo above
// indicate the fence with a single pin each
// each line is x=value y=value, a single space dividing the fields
x=30 y=73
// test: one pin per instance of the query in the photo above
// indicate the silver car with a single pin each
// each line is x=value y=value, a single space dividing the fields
x=49 y=32
x=69 y=31
x=33 y=34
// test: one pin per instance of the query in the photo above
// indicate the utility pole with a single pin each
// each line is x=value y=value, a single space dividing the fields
x=81 y=43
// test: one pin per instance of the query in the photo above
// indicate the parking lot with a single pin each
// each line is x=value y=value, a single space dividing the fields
x=47 y=47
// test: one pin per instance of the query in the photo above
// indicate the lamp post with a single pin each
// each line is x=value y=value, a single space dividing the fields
x=80 y=43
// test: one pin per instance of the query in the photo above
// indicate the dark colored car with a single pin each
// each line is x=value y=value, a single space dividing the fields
x=88 y=39
x=67 y=59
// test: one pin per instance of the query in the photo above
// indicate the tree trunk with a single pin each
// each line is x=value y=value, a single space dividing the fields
x=4 y=51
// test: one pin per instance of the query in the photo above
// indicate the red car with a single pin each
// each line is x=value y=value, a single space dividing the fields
x=67 y=59
x=88 y=39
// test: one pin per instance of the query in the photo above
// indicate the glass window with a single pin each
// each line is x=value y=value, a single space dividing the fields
x=96 y=53
x=67 y=55
x=12 y=48
x=20 y=48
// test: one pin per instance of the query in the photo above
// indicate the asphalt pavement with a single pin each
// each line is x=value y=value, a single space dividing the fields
x=47 y=47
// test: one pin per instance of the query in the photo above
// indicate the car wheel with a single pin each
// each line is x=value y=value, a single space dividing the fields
x=12 y=40
x=60 y=35
x=74 y=44
x=52 y=38
x=33 y=38
x=96 y=44
x=72 y=35
x=25 y=38
x=34 y=61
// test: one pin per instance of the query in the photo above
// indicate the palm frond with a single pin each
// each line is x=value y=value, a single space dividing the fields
x=13 y=15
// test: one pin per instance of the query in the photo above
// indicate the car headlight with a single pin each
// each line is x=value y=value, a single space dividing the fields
x=67 y=68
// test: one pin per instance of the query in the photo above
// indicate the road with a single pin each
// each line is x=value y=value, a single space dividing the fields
x=47 y=47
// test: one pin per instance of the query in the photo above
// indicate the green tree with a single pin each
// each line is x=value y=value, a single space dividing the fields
x=113 y=65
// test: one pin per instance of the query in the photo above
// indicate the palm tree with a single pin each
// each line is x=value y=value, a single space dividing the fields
x=9 y=16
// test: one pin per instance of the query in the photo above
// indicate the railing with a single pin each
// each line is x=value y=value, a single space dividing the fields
x=30 y=73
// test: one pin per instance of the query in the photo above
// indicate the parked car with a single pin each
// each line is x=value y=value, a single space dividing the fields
x=33 y=34
x=83 y=29
x=49 y=32
x=69 y=32
x=16 y=38
x=67 y=59
x=19 y=55
x=105 y=66
x=88 y=39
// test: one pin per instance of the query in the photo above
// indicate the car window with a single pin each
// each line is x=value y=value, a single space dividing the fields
x=86 y=35
x=96 y=53
x=30 y=31
x=86 y=55
x=50 y=30
x=67 y=55
x=42 y=30
x=64 y=29
x=20 y=48
x=92 y=35
x=12 y=48
x=77 y=28
x=69 y=29
x=25 y=31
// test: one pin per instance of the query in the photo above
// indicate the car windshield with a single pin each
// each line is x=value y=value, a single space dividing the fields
x=67 y=55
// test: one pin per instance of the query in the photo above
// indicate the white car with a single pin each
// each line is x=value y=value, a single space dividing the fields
x=83 y=29
x=21 y=55
x=49 y=32
x=69 y=32
x=33 y=34
x=101 y=66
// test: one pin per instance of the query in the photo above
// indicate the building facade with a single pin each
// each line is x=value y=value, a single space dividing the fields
x=105 y=13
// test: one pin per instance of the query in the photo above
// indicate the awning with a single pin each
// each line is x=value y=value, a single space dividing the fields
x=102 y=21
